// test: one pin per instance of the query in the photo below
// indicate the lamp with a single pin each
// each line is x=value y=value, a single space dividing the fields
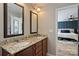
x=72 y=17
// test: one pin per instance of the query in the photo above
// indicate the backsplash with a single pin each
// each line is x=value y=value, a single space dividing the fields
x=68 y=24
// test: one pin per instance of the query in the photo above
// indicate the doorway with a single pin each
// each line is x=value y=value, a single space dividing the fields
x=67 y=31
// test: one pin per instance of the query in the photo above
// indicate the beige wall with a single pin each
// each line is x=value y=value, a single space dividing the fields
x=47 y=26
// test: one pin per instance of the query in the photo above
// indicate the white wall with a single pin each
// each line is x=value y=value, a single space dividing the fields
x=26 y=22
x=65 y=12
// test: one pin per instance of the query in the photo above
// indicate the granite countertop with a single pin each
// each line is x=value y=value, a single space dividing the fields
x=16 y=46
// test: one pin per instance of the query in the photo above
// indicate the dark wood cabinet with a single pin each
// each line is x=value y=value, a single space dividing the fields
x=5 y=53
x=38 y=49
x=44 y=47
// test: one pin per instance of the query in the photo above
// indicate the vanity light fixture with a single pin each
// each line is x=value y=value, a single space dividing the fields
x=38 y=10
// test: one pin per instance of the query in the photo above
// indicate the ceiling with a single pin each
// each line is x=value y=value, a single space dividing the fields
x=56 y=5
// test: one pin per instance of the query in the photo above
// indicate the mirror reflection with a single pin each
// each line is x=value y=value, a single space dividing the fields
x=33 y=22
x=14 y=19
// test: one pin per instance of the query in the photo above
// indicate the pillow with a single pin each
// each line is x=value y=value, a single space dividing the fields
x=65 y=31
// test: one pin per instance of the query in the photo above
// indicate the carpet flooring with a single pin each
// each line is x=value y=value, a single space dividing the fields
x=66 y=48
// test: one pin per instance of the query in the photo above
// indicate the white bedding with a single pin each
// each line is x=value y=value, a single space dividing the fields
x=68 y=35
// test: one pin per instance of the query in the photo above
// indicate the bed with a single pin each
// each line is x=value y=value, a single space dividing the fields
x=70 y=35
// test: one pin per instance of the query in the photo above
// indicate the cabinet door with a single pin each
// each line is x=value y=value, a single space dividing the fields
x=26 y=52
x=44 y=47
x=39 y=49
x=39 y=53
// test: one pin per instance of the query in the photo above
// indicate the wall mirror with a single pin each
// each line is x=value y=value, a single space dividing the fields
x=33 y=22
x=13 y=20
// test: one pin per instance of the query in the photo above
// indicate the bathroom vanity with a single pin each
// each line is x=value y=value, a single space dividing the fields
x=32 y=46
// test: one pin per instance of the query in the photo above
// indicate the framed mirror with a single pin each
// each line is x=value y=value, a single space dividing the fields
x=13 y=20
x=33 y=22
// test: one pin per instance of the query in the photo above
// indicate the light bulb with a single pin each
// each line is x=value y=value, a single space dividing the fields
x=38 y=9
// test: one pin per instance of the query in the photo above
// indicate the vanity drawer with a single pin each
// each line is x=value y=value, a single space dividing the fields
x=38 y=49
